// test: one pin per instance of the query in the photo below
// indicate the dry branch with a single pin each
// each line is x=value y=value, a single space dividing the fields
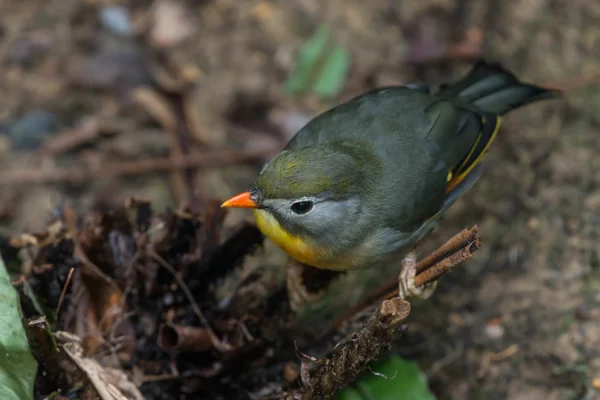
x=85 y=132
x=81 y=174
x=575 y=82
x=353 y=356
x=446 y=264
x=455 y=243
x=456 y=250
x=180 y=338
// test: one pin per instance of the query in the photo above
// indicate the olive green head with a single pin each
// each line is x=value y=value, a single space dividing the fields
x=317 y=191
x=332 y=170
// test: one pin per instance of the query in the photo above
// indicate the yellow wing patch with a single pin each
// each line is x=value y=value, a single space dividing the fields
x=467 y=166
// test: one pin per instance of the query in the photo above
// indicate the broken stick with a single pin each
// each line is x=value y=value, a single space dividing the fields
x=351 y=357
x=456 y=250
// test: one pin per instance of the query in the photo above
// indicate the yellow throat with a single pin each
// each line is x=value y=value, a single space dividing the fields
x=295 y=246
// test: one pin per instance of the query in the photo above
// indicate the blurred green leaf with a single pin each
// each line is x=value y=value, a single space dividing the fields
x=17 y=366
x=405 y=381
x=333 y=73
x=307 y=59
x=321 y=67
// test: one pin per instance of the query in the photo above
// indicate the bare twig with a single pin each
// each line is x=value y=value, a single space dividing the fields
x=177 y=110
x=179 y=338
x=81 y=174
x=217 y=343
x=64 y=290
x=456 y=242
x=456 y=250
x=160 y=106
x=446 y=264
x=85 y=132
x=89 y=267
x=351 y=358
x=159 y=378
x=156 y=105
x=575 y=82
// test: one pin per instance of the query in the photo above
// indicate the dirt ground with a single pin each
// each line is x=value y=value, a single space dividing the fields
x=521 y=320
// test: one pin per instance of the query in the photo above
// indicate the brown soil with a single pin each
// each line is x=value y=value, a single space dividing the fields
x=521 y=320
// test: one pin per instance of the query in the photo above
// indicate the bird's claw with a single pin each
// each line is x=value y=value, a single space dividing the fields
x=406 y=280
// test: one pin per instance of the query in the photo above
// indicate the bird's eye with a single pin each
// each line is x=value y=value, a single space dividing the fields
x=302 y=207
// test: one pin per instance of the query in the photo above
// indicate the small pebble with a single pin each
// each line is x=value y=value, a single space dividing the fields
x=168 y=299
x=117 y=20
x=494 y=330
x=30 y=129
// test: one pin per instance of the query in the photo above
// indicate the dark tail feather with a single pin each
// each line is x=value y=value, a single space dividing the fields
x=491 y=88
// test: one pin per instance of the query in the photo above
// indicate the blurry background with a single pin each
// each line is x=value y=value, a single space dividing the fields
x=101 y=100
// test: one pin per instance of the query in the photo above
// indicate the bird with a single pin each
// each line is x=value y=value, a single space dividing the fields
x=361 y=183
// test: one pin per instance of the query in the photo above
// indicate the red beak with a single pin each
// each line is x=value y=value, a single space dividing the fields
x=242 y=200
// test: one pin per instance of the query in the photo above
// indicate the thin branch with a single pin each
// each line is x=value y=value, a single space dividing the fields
x=456 y=242
x=446 y=264
x=70 y=219
x=82 y=173
x=64 y=290
x=575 y=82
x=350 y=358
x=217 y=343
x=456 y=250
x=85 y=132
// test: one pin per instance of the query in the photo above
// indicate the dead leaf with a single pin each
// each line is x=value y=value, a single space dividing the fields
x=110 y=383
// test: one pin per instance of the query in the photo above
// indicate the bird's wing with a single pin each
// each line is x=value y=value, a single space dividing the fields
x=487 y=131
x=463 y=135
x=477 y=101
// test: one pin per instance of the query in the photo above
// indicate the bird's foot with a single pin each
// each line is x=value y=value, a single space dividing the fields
x=406 y=280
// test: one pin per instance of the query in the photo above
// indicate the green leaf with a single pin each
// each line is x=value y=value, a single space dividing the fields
x=321 y=67
x=333 y=73
x=403 y=380
x=17 y=366
x=307 y=60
